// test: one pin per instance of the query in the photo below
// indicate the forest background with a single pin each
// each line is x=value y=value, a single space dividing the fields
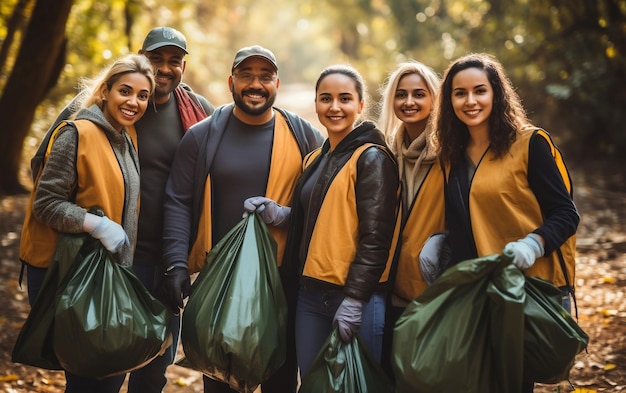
x=567 y=59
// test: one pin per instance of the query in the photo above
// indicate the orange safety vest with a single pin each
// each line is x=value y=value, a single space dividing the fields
x=100 y=183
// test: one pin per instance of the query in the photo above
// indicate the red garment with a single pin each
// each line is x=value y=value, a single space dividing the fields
x=190 y=109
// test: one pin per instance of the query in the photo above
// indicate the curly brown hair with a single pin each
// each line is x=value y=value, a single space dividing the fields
x=507 y=118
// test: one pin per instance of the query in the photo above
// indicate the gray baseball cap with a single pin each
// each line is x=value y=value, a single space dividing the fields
x=164 y=36
x=254 y=51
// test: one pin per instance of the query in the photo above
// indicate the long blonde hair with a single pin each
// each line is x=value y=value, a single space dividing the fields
x=388 y=122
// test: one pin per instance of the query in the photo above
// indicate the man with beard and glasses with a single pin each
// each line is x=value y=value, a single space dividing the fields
x=245 y=149
x=173 y=108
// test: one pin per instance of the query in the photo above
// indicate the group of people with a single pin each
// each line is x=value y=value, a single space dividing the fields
x=360 y=217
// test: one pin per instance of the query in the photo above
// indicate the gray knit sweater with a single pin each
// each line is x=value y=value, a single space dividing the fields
x=52 y=203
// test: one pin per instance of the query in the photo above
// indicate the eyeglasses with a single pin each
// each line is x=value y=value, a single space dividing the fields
x=247 y=78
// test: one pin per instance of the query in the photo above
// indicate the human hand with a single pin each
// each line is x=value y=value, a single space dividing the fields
x=348 y=318
x=525 y=251
x=111 y=234
x=430 y=257
x=271 y=212
x=176 y=287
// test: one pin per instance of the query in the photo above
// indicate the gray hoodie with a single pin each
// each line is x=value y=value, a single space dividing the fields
x=52 y=204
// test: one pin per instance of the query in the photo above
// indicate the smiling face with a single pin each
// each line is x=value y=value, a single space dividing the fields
x=472 y=98
x=413 y=102
x=169 y=65
x=127 y=99
x=338 y=105
x=254 y=84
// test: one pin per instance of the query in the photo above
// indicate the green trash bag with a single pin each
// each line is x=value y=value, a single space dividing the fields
x=33 y=346
x=552 y=337
x=465 y=332
x=345 y=368
x=106 y=322
x=234 y=323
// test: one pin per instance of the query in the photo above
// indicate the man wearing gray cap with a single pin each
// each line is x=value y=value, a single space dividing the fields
x=173 y=109
x=245 y=149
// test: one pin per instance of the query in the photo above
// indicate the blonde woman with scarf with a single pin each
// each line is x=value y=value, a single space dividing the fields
x=407 y=101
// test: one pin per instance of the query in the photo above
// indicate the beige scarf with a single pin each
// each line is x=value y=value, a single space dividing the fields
x=413 y=162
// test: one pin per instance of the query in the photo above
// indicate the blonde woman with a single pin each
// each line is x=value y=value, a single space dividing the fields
x=408 y=99
x=92 y=162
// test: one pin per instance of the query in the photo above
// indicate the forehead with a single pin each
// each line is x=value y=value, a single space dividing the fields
x=411 y=81
x=338 y=84
x=472 y=76
x=255 y=63
x=135 y=80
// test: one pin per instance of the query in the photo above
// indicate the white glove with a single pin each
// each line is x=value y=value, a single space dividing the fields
x=271 y=212
x=111 y=234
x=430 y=261
x=525 y=251
x=348 y=317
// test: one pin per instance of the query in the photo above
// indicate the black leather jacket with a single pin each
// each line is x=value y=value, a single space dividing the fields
x=377 y=196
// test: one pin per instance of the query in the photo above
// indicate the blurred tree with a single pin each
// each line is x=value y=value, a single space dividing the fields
x=14 y=27
x=566 y=57
x=36 y=69
x=583 y=57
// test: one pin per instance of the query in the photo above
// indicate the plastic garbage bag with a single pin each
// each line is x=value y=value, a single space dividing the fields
x=552 y=337
x=106 y=322
x=465 y=332
x=345 y=368
x=33 y=346
x=234 y=323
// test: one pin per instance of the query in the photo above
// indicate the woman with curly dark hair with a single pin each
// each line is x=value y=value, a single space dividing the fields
x=506 y=186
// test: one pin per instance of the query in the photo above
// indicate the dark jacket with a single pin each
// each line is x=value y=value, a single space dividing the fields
x=203 y=141
x=377 y=200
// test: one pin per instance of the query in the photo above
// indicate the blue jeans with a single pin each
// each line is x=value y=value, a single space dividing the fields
x=392 y=314
x=314 y=323
x=152 y=378
x=529 y=386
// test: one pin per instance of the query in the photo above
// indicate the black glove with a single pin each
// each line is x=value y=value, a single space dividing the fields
x=176 y=287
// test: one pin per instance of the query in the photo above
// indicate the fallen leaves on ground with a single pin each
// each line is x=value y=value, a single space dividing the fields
x=600 y=295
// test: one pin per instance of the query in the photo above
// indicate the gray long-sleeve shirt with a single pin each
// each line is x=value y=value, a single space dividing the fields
x=52 y=204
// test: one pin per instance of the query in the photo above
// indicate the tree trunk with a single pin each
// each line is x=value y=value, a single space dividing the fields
x=35 y=70
x=15 y=24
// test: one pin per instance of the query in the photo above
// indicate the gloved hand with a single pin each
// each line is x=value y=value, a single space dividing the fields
x=348 y=317
x=111 y=234
x=272 y=213
x=525 y=251
x=430 y=257
x=176 y=287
